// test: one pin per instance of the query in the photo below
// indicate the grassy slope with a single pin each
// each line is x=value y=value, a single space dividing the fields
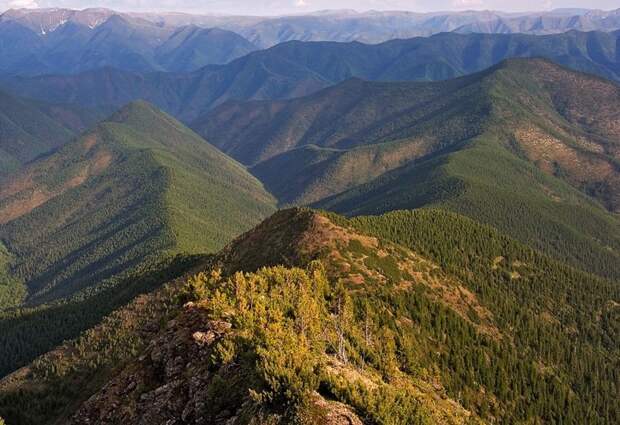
x=152 y=187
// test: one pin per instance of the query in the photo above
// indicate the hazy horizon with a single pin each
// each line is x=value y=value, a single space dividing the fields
x=282 y=7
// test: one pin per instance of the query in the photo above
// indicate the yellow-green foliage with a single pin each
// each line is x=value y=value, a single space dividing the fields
x=280 y=313
x=292 y=323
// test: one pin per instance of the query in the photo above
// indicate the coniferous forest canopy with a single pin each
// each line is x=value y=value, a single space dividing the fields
x=338 y=217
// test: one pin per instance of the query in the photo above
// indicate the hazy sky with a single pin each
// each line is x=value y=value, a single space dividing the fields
x=270 y=7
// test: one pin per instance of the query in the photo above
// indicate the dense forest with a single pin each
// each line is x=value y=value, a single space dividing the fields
x=137 y=187
x=28 y=332
x=564 y=323
x=418 y=326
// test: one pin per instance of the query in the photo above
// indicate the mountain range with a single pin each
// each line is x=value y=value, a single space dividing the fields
x=364 y=147
x=300 y=68
x=420 y=231
x=333 y=25
x=62 y=41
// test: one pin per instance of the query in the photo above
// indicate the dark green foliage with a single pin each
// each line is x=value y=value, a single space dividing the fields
x=12 y=291
x=505 y=146
x=77 y=369
x=160 y=190
x=26 y=131
x=537 y=343
x=26 y=333
x=146 y=186
x=490 y=185
x=558 y=357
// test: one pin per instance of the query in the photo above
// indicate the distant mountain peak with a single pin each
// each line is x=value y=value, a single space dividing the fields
x=46 y=21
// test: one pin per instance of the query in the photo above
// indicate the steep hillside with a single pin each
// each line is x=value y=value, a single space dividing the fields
x=345 y=135
x=27 y=131
x=138 y=186
x=301 y=68
x=548 y=136
x=191 y=48
x=389 y=320
x=26 y=332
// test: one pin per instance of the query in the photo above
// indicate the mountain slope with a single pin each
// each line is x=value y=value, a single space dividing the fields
x=389 y=319
x=191 y=48
x=296 y=69
x=25 y=133
x=138 y=186
x=363 y=147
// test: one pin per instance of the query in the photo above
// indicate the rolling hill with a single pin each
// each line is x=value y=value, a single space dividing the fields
x=526 y=146
x=388 y=319
x=137 y=187
x=301 y=68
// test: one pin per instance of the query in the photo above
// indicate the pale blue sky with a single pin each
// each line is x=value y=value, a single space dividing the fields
x=270 y=7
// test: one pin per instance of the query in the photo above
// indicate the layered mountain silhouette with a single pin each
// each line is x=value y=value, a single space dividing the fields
x=515 y=134
x=67 y=42
x=333 y=25
x=447 y=248
x=297 y=69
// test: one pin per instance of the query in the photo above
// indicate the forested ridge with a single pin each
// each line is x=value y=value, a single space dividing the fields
x=136 y=187
x=127 y=206
x=393 y=315
x=563 y=318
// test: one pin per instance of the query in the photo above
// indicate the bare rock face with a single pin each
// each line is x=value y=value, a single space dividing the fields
x=168 y=383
